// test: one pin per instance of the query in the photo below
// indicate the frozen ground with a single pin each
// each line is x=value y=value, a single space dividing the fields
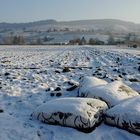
x=30 y=74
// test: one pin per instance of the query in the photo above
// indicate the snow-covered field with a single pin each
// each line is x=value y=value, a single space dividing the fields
x=32 y=75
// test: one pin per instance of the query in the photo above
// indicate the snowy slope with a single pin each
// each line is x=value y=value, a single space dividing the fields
x=64 y=31
x=105 y=25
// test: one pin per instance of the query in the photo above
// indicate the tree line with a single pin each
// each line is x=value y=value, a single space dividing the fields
x=130 y=40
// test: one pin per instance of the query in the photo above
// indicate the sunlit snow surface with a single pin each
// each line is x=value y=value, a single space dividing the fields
x=30 y=74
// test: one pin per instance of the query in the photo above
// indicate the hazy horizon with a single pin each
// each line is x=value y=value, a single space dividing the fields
x=67 y=20
x=17 y=11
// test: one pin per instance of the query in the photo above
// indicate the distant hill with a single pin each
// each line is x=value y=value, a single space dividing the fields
x=111 y=25
x=27 y=25
x=103 y=25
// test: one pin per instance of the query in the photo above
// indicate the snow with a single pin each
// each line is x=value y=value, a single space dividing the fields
x=91 y=82
x=83 y=113
x=73 y=105
x=112 y=93
x=129 y=109
x=128 y=112
x=30 y=74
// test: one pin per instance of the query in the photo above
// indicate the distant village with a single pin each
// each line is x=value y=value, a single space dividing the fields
x=79 y=37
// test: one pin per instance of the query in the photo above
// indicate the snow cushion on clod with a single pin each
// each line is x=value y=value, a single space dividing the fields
x=91 y=81
x=112 y=93
x=87 y=83
x=80 y=113
x=125 y=115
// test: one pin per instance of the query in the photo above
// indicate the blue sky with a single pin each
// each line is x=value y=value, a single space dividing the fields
x=34 y=10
